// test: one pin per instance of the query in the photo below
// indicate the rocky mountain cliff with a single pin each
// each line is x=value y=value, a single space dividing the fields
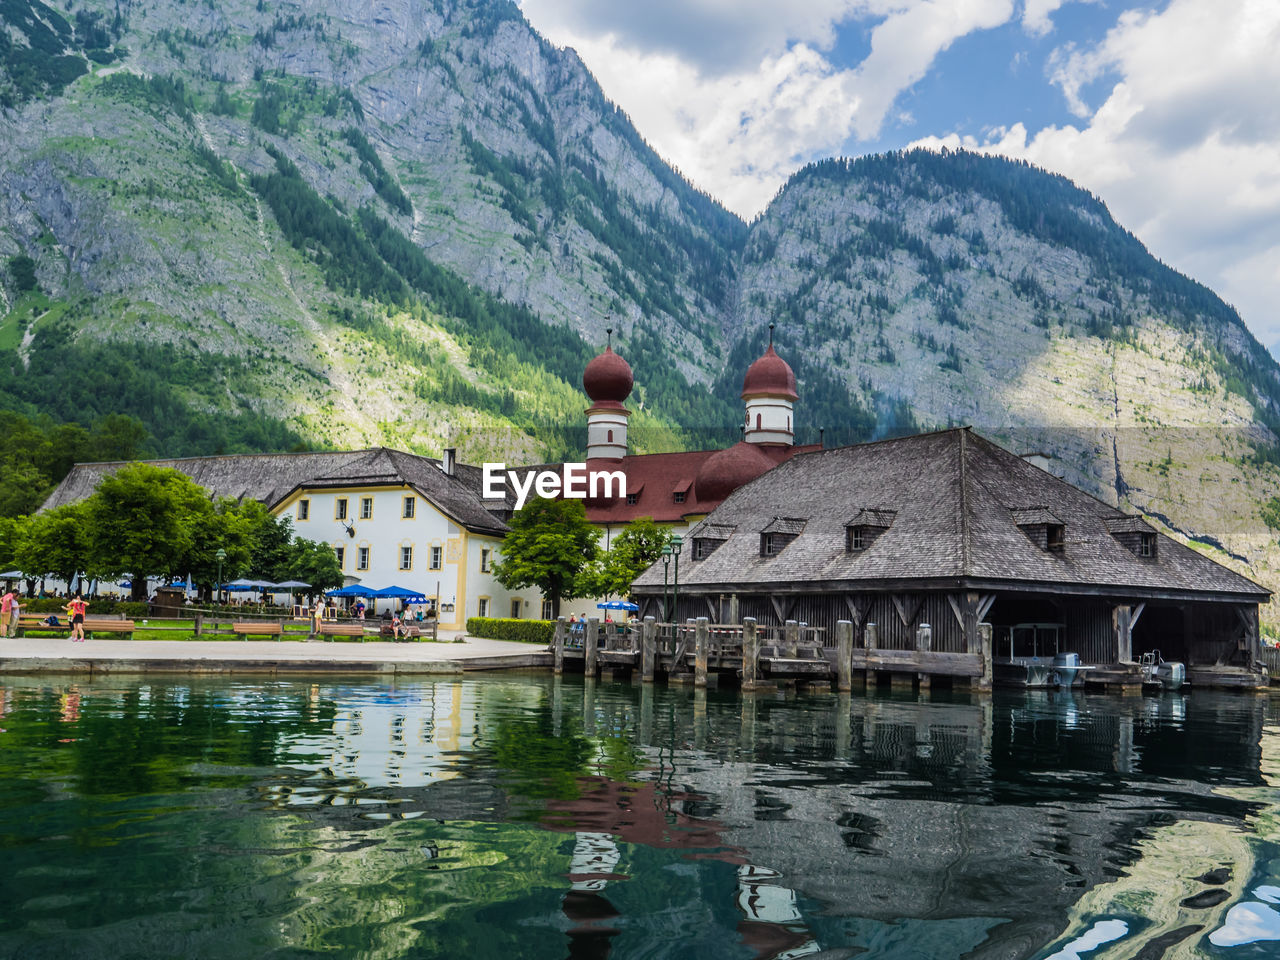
x=257 y=224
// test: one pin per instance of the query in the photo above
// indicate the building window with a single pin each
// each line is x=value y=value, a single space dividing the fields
x=515 y=609
x=340 y=508
x=633 y=499
x=304 y=509
x=341 y=554
x=362 y=558
x=1147 y=545
x=410 y=506
x=546 y=609
x=766 y=545
x=757 y=421
x=678 y=496
x=366 y=508
x=484 y=560
x=1055 y=536
x=704 y=547
x=857 y=539
x=437 y=553
x=609 y=438
x=406 y=558
x=482 y=607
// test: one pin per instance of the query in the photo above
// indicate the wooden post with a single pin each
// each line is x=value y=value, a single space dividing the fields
x=969 y=618
x=924 y=644
x=872 y=637
x=750 y=654
x=1122 y=632
x=735 y=609
x=648 y=648
x=199 y=627
x=557 y=645
x=791 y=639
x=983 y=681
x=844 y=655
x=590 y=646
x=701 y=643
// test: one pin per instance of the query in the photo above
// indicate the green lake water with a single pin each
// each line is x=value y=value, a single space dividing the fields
x=525 y=817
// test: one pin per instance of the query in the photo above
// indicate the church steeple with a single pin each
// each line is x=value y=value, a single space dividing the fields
x=608 y=382
x=769 y=388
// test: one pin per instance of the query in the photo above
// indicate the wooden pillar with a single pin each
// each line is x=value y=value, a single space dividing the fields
x=590 y=648
x=750 y=654
x=701 y=646
x=872 y=637
x=1122 y=632
x=983 y=680
x=969 y=618
x=199 y=626
x=648 y=649
x=557 y=645
x=844 y=655
x=791 y=639
x=924 y=644
x=735 y=609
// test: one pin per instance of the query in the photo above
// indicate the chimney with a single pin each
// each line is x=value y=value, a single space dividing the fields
x=448 y=459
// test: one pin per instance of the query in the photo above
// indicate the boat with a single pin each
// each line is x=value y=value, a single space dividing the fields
x=1169 y=674
x=1035 y=660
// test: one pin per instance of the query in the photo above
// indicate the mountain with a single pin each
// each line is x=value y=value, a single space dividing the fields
x=259 y=225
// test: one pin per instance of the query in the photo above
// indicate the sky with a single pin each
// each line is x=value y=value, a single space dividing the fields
x=1169 y=111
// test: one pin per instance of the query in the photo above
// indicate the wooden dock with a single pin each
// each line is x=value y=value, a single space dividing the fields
x=760 y=657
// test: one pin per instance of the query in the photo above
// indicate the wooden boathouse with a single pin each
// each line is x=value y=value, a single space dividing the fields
x=934 y=553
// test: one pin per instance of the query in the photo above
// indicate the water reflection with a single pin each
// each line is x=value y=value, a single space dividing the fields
x=532 y=817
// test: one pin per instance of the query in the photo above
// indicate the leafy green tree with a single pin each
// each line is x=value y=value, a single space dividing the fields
x=548 y=546
x=1271 y=513
x=57 y=542
x=143 y=521
x=12 y=531
x=313 y=562
x=630 y=554
x=23 y=271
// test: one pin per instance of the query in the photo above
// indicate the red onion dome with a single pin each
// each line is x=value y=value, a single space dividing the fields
x=770 y=376
x=726 y=470
x=608 y=378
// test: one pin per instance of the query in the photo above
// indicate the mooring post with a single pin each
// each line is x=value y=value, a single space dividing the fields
x=791 y=639
x=924 y=644
x=844 y=655
x=199 y=625
x=557 y=645
x=983 y=680
x=591 y=646
x=750 y=654
x=648 y=648
x=701 y=645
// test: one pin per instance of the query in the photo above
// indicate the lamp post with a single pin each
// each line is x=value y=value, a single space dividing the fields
x=220 y=555
x=666 y=565
x=676 y=542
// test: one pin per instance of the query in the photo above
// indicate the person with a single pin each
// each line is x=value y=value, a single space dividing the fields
x=75 y=610
x=7 y=619
x=359 y=609
x=395 y=626
x=11 y=628
x=317 y=614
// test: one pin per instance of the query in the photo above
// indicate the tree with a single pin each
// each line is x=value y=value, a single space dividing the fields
x=631 y=553
x=23 y=271
x=314 y=563
x=58 y=542
x=143 y=520
x=549 y=544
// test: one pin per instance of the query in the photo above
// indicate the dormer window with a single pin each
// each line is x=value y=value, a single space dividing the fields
x=633 y=499
x=707 y=538
x=1133 y=533
x=1042 y=528
x=1146 y=545
x=678 y=496
x=779 y=532
x=865 y=527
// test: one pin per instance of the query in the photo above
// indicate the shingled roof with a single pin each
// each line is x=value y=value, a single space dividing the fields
x=271 y=477
x=955 y=501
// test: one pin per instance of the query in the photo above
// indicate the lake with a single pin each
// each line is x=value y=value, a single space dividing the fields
x=520 y=816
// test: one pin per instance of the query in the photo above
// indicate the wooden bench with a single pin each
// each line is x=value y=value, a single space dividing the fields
x=107 y=626
x=328 y=629
x=407 y=631
x=257 y=629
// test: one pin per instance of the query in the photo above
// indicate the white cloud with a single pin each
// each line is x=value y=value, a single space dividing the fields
x=738 y=93
x=1036 y=16
x=1185 y=144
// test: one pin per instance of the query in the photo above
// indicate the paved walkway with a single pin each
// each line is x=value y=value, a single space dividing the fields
x=40 y=655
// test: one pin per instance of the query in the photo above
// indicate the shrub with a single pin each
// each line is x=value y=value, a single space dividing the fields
x=521 y=631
